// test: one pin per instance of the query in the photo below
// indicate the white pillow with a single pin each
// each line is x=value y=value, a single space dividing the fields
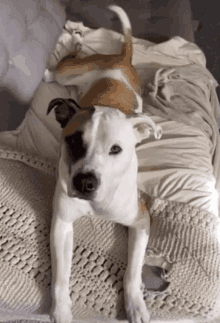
x=40 y=133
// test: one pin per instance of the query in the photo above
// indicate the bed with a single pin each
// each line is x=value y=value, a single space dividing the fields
x=178 y=175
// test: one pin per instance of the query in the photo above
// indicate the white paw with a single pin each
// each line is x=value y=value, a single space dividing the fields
x=77 y=39
x=61 y=313
x=135 y=307
x=77 y=35
x=48 y=76
x=75 y=29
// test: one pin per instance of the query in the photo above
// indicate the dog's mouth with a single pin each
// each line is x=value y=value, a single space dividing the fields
x=86 y=197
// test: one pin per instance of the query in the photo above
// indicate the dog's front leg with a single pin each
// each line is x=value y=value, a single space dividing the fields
x=134 y=303
x=61 y=245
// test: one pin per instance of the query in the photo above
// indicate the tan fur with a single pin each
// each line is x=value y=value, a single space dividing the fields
x=78 y=66
x=110 y=93
x=77 y=122
x=121 y=91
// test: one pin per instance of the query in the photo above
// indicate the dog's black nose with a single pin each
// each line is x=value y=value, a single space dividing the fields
x=85 y=183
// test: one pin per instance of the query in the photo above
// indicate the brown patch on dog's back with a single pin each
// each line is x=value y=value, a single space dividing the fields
x=111 y=93
x=78 y=66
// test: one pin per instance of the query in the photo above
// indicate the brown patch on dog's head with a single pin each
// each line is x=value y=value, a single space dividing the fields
x=78 y=121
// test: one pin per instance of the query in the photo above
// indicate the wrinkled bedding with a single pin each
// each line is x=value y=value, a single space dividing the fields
x=182 y=166
x=178 y=166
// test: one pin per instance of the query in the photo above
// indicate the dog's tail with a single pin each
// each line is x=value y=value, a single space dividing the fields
x=127 y=31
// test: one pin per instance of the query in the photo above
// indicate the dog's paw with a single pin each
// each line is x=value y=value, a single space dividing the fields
x=135 y=307
x=48 y=76
x=75 y=29
x=61 y=313
x=77 y=39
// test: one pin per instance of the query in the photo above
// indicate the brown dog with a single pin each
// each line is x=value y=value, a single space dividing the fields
x=104 y=80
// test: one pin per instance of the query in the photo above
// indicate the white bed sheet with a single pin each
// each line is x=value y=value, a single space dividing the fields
x=178 y=166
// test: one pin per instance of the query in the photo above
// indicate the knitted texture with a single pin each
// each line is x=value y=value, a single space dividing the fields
x=188 y=238
x=185 y=235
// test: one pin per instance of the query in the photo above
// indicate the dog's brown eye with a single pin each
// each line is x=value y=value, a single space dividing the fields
x=115 y=149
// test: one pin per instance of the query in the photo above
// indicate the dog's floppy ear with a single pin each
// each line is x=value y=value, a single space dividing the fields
x=64 y=109
x=143 y=126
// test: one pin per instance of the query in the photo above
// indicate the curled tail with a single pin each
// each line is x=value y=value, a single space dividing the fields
x=127 y=30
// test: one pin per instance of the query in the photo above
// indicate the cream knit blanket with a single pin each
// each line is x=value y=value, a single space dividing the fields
x=184 y=234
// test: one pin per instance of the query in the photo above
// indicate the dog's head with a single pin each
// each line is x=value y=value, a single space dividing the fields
x=98 y=147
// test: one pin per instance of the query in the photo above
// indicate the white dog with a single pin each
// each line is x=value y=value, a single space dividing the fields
x=97 y=172
x=97 y=177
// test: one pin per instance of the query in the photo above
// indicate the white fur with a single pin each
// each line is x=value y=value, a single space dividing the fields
x=126 y=26
x=48 y=76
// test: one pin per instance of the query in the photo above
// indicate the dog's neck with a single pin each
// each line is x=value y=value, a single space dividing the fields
x=121 y=204
x=124 y=212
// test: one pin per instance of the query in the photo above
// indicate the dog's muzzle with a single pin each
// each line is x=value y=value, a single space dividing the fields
x=85 y=184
